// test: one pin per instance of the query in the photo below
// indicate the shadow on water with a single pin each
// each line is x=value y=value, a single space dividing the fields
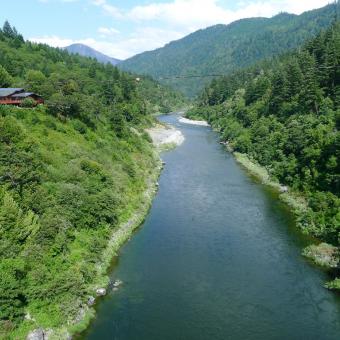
x=218 y=257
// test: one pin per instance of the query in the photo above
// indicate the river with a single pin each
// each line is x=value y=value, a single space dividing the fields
x=218 y=257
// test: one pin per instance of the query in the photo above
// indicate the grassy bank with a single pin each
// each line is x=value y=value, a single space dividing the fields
x=70 y=196
x=120 y=236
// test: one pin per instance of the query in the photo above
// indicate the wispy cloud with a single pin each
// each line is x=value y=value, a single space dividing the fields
x=107 y=31
x=194 y=14
x=47 y=1
x=108 y=9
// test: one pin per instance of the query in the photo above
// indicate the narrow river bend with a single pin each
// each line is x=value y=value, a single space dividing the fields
x=218 y=257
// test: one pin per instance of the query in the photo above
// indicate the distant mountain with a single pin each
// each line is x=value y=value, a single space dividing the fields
x=87 y=51
x=222 y=49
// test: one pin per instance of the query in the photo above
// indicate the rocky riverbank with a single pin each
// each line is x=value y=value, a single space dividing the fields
x=165 y=137
x=120 y=235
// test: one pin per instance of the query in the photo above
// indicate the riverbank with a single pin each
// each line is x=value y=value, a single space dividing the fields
x=120 y=235
x=324 y=255
x=162 y=137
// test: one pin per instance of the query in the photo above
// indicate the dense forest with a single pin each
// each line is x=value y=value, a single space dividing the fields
x=285 y=115
x=222 y=49
x=70 y=172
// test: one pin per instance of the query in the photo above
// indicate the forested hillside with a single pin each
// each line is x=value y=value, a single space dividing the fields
x=71 y=171
x=285 y=115
x=222 y=49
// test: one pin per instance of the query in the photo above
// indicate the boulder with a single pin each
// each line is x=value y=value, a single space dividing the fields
x=36 y=334
x=283 y=189
x=117 y=283
x=101 y=291
x=91 y=300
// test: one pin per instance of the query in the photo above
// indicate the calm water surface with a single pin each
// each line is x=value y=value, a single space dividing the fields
x=218 y=257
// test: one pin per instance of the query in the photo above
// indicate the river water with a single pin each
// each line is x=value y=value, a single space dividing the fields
x=218 y=257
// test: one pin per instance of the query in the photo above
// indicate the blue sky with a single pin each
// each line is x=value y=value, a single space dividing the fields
x=124 y=28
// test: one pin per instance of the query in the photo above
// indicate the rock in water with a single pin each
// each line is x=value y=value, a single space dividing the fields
x=101 y=291
x=117 y=283
x=91 y=300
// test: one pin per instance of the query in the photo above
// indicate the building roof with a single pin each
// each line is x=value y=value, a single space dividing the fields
x=24 y=94
x=5 y=92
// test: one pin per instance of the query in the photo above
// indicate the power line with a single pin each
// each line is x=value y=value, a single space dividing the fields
x=192 y=76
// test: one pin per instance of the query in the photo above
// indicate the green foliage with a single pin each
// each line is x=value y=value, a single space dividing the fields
x=284 y=114
x=222 y=49
x=70 y=172
x=28 y=102
x=5 y=78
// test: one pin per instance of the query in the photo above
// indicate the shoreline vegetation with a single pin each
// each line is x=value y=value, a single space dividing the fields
x=101 y=282
x=164 y=137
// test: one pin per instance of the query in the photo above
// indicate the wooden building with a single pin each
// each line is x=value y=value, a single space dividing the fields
x=14 y=96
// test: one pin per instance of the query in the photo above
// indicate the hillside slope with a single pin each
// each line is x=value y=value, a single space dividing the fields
x=222 y=49
x=71 y=172
x=87 y=51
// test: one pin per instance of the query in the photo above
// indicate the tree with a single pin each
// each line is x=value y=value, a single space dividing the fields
x=8 y=31
x=311 y=94
x=5 y=78
x=35 y=80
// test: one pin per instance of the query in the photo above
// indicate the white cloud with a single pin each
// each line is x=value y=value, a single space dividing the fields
x=46 y=1
x=108 y=9
x=194 y=14
x=53 y=41
x=107 y=31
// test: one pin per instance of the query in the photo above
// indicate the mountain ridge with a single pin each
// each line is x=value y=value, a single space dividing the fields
x=222 y=49
x=87 y=51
